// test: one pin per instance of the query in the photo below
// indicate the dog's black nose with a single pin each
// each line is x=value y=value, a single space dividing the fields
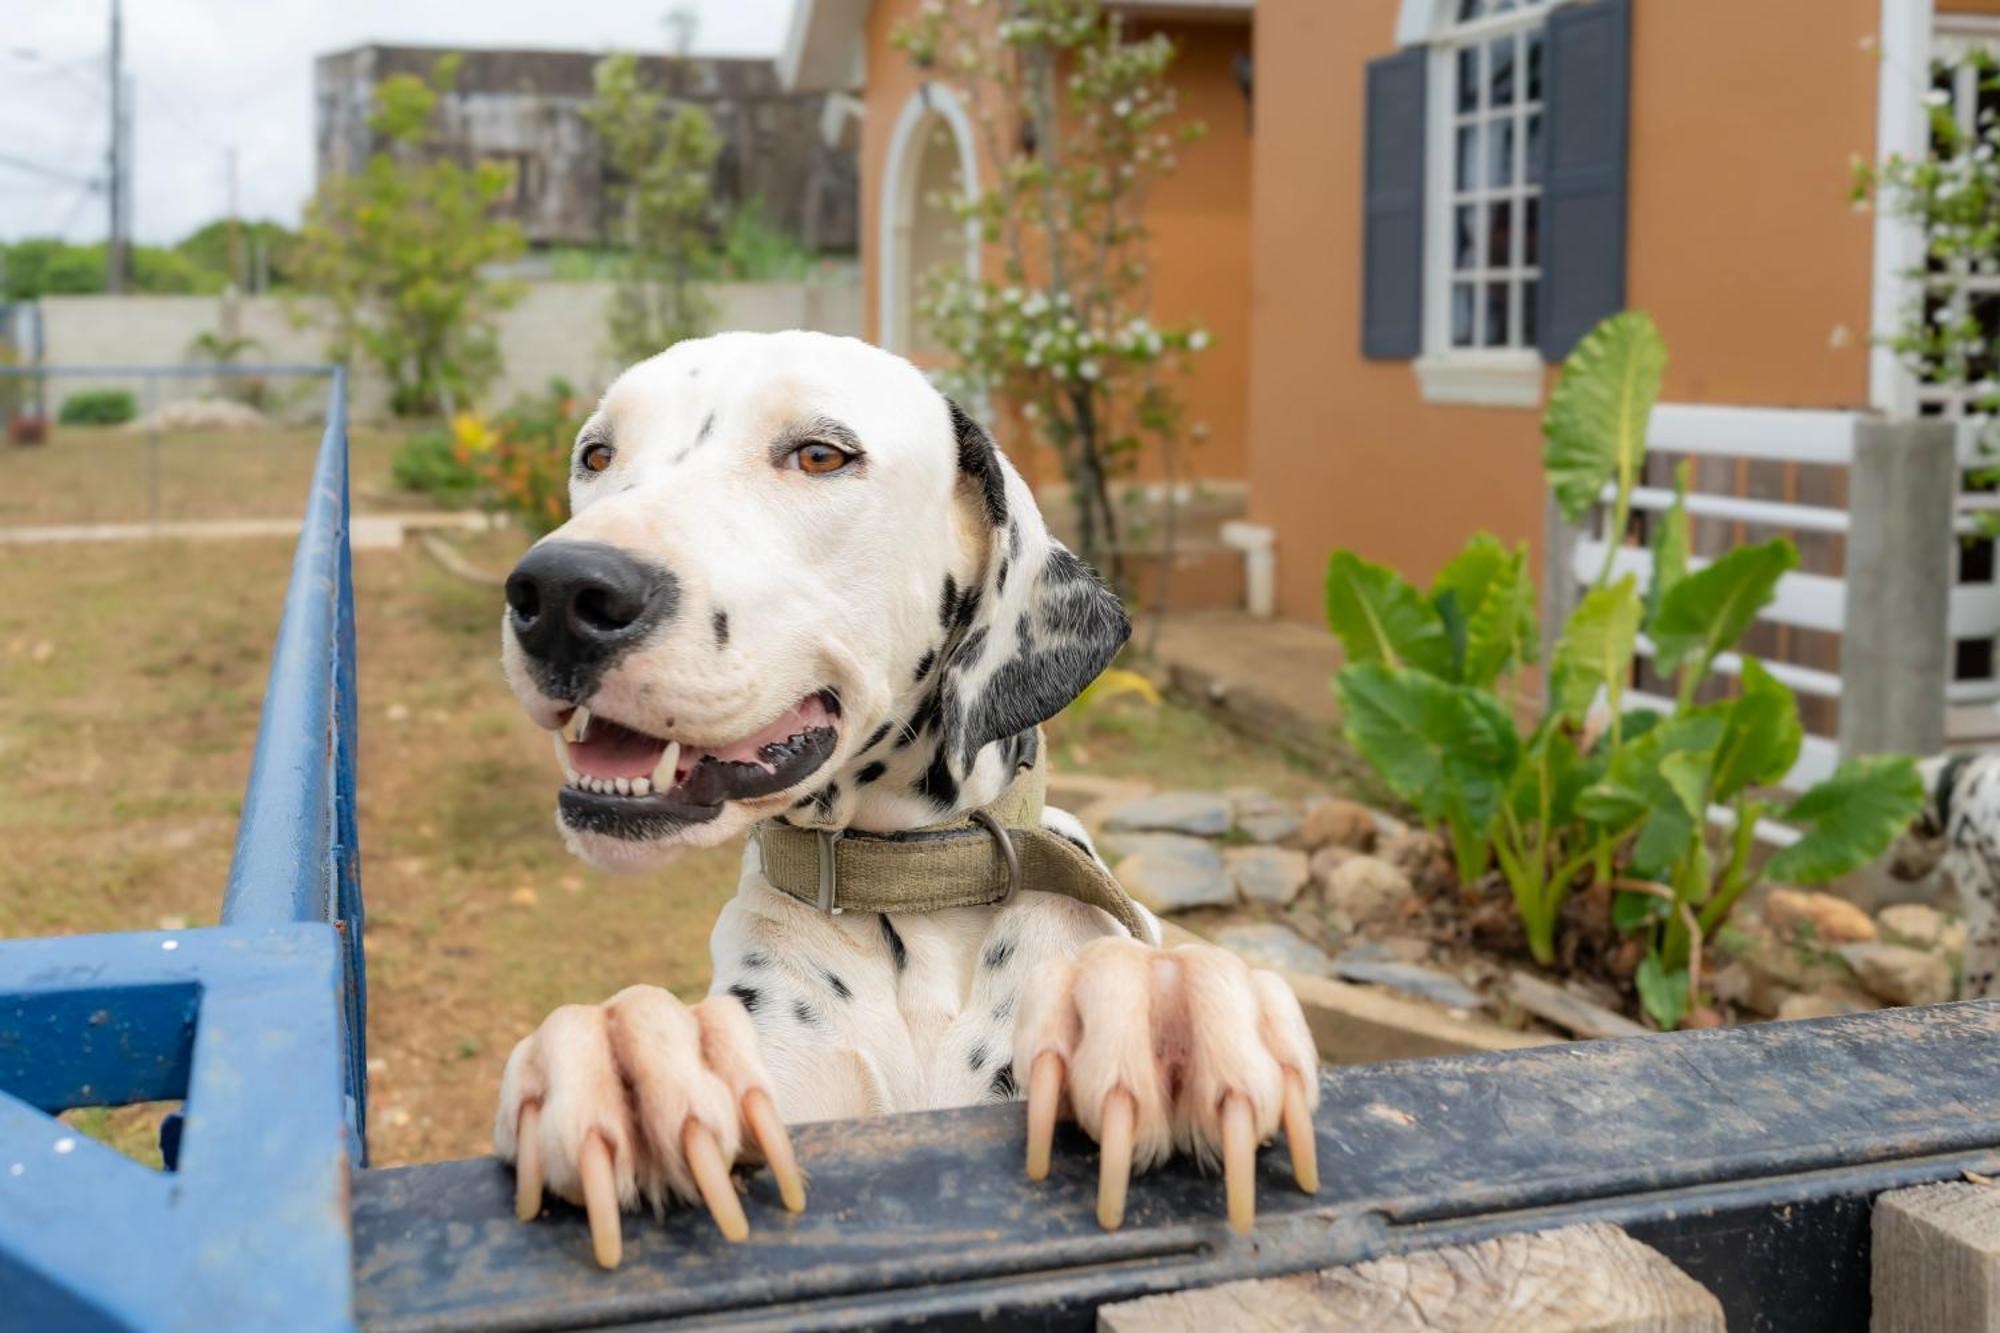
x=576 y=606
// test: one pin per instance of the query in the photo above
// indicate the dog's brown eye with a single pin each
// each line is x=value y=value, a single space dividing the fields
x=820 y=459
x=597 y=457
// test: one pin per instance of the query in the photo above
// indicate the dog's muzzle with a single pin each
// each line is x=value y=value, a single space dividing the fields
x=577 y=607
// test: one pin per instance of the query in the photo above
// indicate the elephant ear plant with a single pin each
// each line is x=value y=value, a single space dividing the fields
x=1659 y=808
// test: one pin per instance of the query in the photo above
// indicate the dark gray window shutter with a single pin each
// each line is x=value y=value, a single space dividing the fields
x=1392 y=230
x=1587 y=109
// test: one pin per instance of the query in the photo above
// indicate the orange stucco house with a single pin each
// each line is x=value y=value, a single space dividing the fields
x=1426 y=202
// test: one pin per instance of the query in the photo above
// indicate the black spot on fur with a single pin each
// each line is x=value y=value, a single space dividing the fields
x=968 y=607
x=937 y=782
x=998 y=953
x=870 y=773
x=1000 y=579
x=898 y=954
x=977 y=1059
x=1014 y=540
x=749 y=995
x=707 y=425
x=805 y=1013
x=754 y=960
x=925 y=663
x=719 y=622
x=1003 y=1010
x=823 y=799
x=978 y=460
x=948 y=602
x=836 y=985
x=876 y=739
x=1002 y=1085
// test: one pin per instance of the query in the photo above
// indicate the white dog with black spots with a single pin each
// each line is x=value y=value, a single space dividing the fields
x=1958 y=836
x=800 y=585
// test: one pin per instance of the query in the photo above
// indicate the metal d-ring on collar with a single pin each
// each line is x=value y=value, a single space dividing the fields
x=829 y=874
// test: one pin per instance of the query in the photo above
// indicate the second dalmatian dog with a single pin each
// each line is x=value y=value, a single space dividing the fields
x=802 y=596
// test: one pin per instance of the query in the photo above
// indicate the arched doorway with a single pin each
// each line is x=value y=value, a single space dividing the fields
x=931 y=157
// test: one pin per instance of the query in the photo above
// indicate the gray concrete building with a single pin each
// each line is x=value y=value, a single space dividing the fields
x=526 y=108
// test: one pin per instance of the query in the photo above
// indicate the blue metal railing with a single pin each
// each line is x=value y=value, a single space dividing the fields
x=257 y=1025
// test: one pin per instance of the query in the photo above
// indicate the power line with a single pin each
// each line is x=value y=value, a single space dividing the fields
x=91 y=183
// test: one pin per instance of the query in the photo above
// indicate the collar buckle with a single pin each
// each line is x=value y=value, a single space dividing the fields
x=829 y=878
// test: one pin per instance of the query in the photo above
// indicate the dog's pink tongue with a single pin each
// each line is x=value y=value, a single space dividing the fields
x=612 y=751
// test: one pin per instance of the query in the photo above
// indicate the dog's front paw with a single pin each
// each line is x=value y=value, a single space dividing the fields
x=1156 y=1050
x=641 y=1097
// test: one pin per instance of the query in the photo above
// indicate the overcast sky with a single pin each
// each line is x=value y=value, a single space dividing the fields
x=215 y=73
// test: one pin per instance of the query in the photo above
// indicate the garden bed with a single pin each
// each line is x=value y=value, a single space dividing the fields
x=1365 y=915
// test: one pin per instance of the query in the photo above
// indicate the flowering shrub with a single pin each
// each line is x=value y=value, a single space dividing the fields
x=1077 y=122
x=521 y=456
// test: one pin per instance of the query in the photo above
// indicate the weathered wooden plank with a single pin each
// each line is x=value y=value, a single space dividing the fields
x=1578 y=1279
x=1936 y=1258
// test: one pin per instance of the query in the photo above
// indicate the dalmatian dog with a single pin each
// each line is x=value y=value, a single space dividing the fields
x=1958 y=835
x=799 y=585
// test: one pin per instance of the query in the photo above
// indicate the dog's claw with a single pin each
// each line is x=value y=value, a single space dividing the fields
x=761 y=1115
x=1239 y=1162
x=1299 y=1133
x=1114 y=1171
x=1044 y=1094
x=711 y=1177
x=528 y=1167
x=600 y=1201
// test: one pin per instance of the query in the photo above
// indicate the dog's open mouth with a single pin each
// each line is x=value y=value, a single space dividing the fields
x=625 y=783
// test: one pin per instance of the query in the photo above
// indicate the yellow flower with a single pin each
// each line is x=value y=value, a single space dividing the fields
x=471 y=432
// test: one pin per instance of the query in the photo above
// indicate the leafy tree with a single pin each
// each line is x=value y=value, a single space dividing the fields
x=47 y=266
x=207 y=248
x=1623 y=802
x=400 y=248
x=663 y=168
x=1077 y=122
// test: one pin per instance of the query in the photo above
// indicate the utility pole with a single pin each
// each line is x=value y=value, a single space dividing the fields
x=114 y=249
x=236 y=274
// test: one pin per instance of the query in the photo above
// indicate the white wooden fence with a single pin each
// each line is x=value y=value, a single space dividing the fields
x=1818 y=598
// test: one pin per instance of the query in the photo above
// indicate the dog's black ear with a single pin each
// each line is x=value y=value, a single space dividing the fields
x=980 y=464
x=1038 y=626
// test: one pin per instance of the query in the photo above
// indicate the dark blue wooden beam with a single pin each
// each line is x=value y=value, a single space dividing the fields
x=1749 y=1156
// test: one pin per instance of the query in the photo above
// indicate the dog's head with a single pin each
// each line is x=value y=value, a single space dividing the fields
x=796 y=581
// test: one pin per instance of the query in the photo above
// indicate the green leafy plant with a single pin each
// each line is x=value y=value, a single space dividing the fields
x=401 y=250
x=1594 y=791
x=431 y=462
x=98 y=407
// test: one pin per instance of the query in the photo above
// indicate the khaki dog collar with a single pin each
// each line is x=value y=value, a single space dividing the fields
x=980 y=860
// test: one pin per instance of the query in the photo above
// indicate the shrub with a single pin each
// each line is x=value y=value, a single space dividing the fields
x=521 y=457
x=1595 y=793
x=430 y=462
x=98 y=407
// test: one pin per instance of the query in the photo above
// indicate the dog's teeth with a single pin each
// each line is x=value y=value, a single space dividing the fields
x=578 y=726
x=664 y=771
x=562 y=753
x=642 y=787
x=624 y=786
x=572 y=778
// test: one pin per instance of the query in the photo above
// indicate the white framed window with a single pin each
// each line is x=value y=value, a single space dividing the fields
x=1482 y=202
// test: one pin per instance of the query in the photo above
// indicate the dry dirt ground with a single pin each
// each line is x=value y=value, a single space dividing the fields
x=130 y=681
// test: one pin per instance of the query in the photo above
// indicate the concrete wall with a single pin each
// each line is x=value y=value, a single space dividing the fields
x=1742 y=245
x=556 y=329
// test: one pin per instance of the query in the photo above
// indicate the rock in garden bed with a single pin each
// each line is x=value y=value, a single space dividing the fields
x=1195 y=813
